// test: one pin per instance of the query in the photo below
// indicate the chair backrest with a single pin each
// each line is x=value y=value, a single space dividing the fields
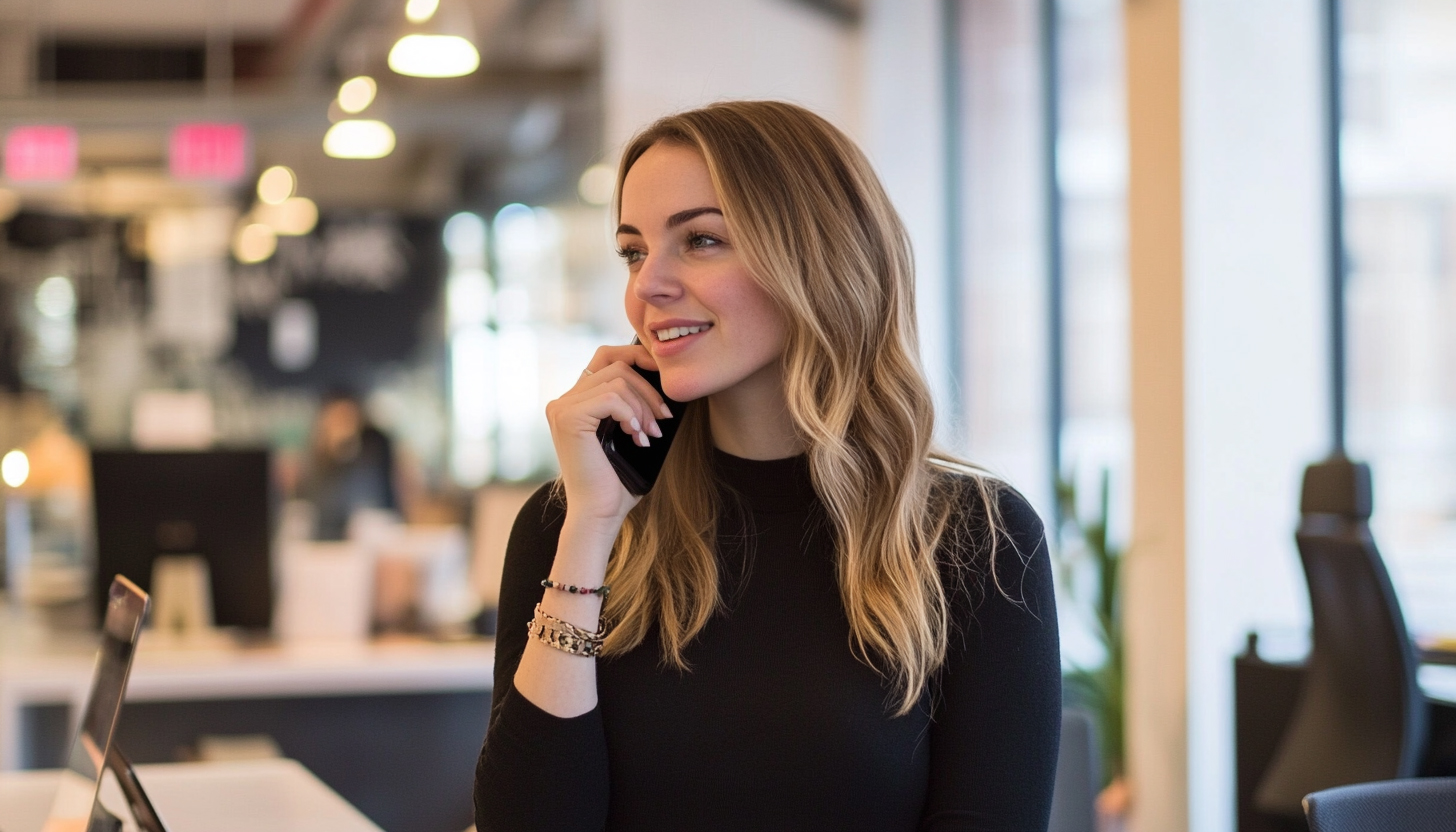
x=1416 y=805
x=1361 y=715
x=1074 y=798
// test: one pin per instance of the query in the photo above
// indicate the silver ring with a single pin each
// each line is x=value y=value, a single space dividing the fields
x=586 y=372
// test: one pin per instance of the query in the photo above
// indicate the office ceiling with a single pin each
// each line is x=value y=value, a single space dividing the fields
x=153 y=18
x=521 y=128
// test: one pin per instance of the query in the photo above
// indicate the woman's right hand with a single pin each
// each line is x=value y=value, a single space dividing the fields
x=611 y=390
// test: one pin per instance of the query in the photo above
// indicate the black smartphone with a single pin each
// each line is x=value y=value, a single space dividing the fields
x=637 y=467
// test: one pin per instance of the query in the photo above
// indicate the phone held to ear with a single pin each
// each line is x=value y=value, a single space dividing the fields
x=637 y=467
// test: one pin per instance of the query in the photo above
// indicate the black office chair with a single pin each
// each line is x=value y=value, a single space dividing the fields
x=1361 y=716
x=1423 y=805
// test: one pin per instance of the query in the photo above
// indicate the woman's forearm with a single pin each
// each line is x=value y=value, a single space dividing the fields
x=557 y=682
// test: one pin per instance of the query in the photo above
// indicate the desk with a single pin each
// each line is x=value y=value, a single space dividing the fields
x=1439 y=655
x=57 y=671
x=276 y=795
x=1438 y=681
x=383 y=723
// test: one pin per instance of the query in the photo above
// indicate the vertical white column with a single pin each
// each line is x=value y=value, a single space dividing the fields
x=1255 y=335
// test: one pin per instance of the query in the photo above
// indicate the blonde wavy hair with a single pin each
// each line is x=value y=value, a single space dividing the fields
x=818 y=233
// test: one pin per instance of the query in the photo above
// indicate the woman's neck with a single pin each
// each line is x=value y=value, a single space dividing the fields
x=751 y=419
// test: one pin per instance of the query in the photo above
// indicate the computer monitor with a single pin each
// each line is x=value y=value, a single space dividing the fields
x=76 y=807
x=208 y=503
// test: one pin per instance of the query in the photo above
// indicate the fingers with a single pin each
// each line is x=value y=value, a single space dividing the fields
x=653 y=399
x=632 y=354
x=627 y=410
x=654 y=402
x=601 y=397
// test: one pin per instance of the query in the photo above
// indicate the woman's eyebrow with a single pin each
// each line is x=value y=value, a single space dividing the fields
x=683 y=216
x=673 y=221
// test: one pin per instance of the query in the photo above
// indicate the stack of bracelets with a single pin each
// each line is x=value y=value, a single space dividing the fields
x=565 y=636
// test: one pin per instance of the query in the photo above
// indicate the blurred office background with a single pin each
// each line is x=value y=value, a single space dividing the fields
x=219 y=217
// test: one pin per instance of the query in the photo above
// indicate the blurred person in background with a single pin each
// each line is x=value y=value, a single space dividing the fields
x=350 y=465
x=815 y=619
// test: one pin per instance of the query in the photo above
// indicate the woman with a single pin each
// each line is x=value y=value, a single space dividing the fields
x=814 y=620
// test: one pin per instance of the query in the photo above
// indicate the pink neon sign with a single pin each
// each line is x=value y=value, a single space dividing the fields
x=209 y=150
x=40 y=153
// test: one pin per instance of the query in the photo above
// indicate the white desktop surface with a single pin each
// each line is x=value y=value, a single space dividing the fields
x=246 y=796
x=1439 y=682
x=38 y=667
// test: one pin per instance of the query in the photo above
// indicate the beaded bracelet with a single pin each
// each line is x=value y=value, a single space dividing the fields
x=577 y=590
x=565 y=636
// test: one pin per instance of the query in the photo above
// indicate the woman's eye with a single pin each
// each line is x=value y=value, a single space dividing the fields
x=630 y=255
x=702 y=241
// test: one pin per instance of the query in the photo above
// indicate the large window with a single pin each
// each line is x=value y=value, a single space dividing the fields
x=1042 y=275
x=1400 y=183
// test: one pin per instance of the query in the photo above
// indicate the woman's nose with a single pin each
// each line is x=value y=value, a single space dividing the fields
x=657 y=279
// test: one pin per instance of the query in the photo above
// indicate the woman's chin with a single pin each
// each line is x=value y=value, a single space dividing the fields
x=682 y=388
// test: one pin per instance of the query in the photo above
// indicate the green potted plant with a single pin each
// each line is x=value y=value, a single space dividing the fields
x=1096 y=591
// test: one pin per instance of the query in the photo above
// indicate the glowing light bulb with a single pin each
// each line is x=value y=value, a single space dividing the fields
x=294 y=216
x=56 y=297
x=276 y=184
x=418 y=11
x=434 y=56
x=359 y=138
x=254 y=243
x=15 y=468
x=357 y=93
x=596 y=184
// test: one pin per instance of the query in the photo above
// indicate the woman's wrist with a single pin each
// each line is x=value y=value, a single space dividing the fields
x=582 y=551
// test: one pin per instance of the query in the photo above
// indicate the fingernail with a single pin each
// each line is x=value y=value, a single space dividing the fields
x=642 y=439
x=666 y=414
x=636 y=425
x=653 y=429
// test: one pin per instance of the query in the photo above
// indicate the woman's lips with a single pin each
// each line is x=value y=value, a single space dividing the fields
x=677 y=344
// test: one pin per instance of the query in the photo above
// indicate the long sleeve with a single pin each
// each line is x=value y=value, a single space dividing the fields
x=997 y=722
x=536 y=771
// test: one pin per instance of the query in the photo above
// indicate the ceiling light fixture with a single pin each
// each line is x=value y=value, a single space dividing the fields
x=254 y=243
x=359 y=138
x=276 y=184
x=438 y=41
x=293 y=217
x=15 y=468
x=357 y=93
x=418 y=11
x=55 y=298
x=597 y=184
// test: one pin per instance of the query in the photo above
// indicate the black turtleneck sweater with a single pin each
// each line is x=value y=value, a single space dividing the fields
x=777 y=726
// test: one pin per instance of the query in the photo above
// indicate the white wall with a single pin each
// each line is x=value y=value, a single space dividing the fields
x=1255 y=362
x=904 y=135
x=661 y=56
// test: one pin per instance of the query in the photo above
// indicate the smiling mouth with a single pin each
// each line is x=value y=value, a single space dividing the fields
x=672 y=333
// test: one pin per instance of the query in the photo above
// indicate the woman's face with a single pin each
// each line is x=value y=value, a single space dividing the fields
x=686 y=274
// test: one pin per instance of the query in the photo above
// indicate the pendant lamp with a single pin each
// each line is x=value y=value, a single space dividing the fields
x=438 y=40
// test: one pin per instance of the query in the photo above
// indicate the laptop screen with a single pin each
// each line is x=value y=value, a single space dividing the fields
x=76 y=798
